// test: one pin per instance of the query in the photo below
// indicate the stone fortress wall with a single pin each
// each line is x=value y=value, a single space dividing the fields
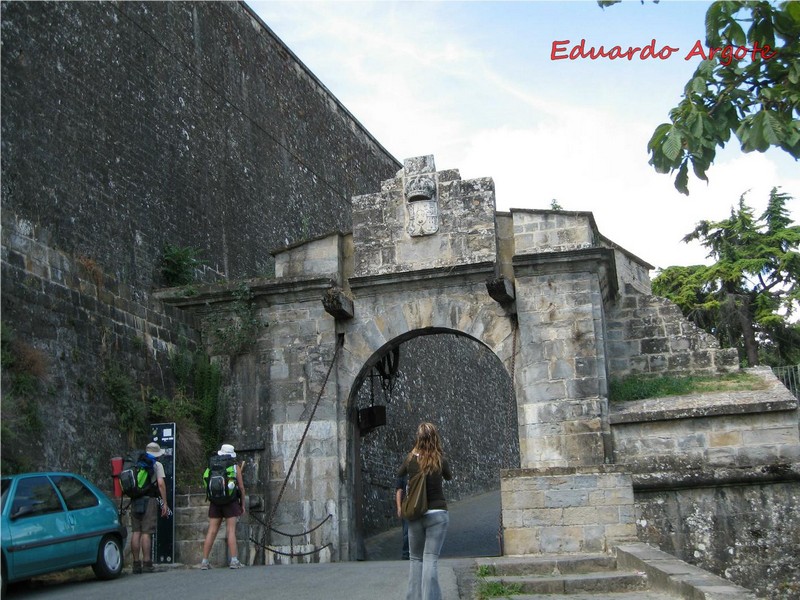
x=127 y=127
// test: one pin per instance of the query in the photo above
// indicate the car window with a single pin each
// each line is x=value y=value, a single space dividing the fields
x=75 y=494
x=34 y=496
x=6 y=483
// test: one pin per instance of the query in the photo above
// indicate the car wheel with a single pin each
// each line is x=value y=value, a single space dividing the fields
x=109 y=558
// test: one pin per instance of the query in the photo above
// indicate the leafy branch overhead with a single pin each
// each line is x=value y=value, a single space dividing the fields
x=749 y=88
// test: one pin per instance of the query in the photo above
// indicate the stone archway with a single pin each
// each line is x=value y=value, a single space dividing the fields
x=429 y=253
x=460 y=385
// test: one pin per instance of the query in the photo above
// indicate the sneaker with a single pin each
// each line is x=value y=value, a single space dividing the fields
x=149 y=567
x=137 y=567
x=204 y=565
x=235 y=564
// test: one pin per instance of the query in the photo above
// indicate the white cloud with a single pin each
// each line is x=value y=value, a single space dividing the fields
x=423 y=80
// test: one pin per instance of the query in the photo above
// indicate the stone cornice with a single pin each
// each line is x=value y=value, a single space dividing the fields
x=604 y=469
x=588 y=260
x=296 y=289
x=424 y=278
x=715 y=477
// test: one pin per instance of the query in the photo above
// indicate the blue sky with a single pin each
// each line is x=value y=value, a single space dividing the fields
x=473 y=84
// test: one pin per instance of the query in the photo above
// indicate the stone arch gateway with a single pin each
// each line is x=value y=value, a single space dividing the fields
x=428 y=252
x=438 y=375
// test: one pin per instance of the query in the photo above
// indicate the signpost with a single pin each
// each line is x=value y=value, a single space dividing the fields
x=164 y=539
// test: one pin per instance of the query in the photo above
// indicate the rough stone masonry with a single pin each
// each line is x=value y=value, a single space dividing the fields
x=417 y=263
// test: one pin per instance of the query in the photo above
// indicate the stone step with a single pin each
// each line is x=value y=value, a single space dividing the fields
x=548 y=564
x=636 y=571
x=671 y=575
x=640 y=595
x=576 y=583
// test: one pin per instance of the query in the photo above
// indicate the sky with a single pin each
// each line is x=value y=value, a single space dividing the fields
x=475 y=84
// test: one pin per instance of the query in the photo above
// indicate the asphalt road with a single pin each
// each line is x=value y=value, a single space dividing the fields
x=473 y=532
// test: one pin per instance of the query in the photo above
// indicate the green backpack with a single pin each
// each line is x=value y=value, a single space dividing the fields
x=220 y=479
x=136 y=477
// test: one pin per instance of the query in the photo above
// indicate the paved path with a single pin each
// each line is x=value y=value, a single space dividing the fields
x=379 y=580
x=473 y=532
x=474 y=524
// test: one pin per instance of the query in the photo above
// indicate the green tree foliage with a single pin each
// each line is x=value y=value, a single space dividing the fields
x=179 y=265
x=748 y=296
x=749 y=87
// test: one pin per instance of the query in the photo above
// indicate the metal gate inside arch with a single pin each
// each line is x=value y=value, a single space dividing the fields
x=530 y=293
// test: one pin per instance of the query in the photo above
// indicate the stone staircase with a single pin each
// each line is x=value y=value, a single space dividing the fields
x=636 y=571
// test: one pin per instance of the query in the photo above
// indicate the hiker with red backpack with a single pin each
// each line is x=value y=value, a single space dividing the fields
x=142 y=480
x=225 y=492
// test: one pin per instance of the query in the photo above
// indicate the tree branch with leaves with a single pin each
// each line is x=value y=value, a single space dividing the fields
x=755 y=97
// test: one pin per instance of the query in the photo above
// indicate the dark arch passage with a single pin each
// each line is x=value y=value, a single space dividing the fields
x=461 y=386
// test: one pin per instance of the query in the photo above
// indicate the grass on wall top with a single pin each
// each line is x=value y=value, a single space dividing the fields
x=637 y=387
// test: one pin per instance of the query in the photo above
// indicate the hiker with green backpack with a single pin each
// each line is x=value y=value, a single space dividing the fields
x=225 y=492
x=142 y=480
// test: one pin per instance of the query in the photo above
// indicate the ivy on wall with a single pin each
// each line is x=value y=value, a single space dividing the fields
x=24 y=375
x=192 y=405
x=194 y=408
x=236 y=331
x=129 y=406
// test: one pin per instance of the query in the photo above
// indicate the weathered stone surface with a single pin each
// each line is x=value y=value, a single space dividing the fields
x=743 y=532
x=83 y=233
x=381 y=224
x=577 y=509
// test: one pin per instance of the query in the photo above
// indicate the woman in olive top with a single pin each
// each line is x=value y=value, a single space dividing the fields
x=426 y=535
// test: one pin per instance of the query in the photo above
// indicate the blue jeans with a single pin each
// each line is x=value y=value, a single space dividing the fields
x=425 y=539
x=404 y=551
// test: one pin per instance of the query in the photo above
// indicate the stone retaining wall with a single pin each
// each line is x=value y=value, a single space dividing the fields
x=565 y=510
x=723 y=429
x=83 y=322
x=715 y=477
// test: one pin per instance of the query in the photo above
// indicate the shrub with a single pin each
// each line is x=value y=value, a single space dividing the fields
x=179 y=265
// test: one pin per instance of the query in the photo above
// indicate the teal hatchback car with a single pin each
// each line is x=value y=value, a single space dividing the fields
x=56 y=521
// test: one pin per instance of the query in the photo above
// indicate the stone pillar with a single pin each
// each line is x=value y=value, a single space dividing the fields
x=565 y=498
x=566 y=509
x=561 y=376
